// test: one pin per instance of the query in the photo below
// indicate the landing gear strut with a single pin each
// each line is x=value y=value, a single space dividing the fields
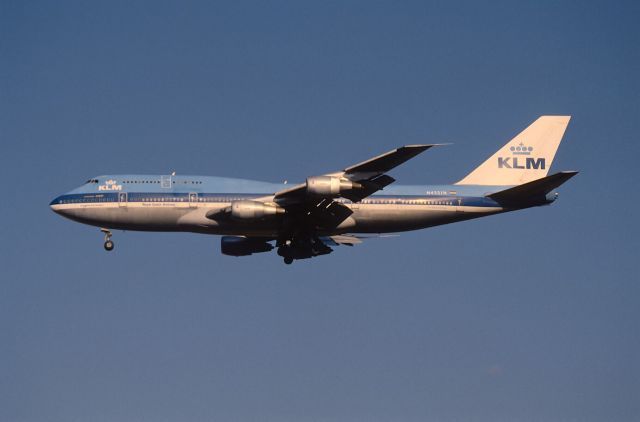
x=301 y=248
x=108 y=243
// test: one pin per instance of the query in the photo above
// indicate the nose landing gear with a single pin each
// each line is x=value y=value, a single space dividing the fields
x=108 y=243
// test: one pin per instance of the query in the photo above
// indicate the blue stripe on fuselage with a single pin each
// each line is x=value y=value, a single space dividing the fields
x=183 y=197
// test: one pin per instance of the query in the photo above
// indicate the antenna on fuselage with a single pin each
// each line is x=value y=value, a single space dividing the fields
x=173 y=173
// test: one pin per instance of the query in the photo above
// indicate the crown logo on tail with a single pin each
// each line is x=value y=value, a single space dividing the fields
x=521 y=149
x=528 y=163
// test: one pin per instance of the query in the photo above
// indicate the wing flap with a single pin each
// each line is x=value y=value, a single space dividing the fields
x=329 y=214
x=351 y=239
x=342 y=239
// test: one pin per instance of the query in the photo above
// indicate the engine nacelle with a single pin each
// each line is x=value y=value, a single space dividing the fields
x=253 y=210
x=243 y=246
x=329 y=186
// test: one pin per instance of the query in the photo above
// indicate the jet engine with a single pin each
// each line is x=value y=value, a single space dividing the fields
x=243 y=246
x=329 y=186
x=253 y=210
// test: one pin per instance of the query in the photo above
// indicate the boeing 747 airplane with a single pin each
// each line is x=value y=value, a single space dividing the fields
x=340 y=208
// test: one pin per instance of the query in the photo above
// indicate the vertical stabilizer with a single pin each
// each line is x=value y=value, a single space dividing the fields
x=525 y=158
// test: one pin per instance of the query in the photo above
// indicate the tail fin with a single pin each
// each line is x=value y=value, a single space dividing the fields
x=526 y=157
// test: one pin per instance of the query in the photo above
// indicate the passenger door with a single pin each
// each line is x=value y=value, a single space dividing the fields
x=193 y=199
x=165 y=182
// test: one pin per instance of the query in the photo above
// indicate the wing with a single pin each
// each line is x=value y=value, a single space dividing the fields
x=355 y=182
x=304 y=247
x=312 y=208
x=381 y=164
x=350 y=239
x=312 y=246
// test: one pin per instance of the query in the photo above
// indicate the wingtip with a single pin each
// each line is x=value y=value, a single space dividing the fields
x=424 y=146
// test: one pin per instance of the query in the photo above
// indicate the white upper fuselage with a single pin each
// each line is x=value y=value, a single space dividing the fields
x=181 y=203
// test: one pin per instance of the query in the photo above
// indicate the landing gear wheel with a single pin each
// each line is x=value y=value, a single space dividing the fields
x=108 y=244
x=288 y=260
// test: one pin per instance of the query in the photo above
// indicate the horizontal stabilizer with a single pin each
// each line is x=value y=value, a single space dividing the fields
x=532 y=191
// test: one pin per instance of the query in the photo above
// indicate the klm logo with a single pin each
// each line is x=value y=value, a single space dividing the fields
x=110 y=185
x=520 y=162
x=513 y=163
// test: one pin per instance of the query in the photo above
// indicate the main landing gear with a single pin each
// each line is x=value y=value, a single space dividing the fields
x=108 y=243
x=302 y=247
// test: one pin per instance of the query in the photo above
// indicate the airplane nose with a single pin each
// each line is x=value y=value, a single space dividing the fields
x=53 y=203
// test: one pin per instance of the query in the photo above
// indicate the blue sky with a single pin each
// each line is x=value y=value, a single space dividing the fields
x=528 y=316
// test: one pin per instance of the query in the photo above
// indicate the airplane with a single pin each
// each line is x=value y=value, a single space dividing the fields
x=340 y=208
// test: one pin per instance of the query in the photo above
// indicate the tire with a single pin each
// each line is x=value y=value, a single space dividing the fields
x=288 y=260
x=108 y=245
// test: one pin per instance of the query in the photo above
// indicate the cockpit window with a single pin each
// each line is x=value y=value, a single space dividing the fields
x=91 y=181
